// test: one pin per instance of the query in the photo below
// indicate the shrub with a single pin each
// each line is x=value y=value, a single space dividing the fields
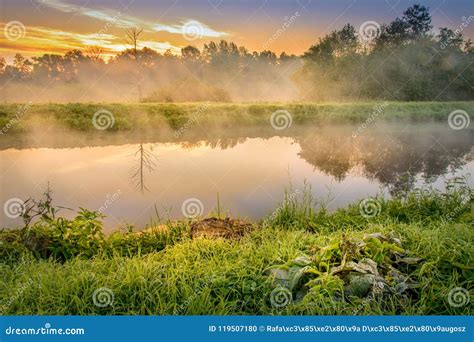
x=189 y=90
x=64 y=239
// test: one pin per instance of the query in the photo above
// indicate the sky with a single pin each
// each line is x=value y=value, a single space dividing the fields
x=36 y=27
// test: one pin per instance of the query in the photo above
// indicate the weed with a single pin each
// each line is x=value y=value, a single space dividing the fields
x=405 y=260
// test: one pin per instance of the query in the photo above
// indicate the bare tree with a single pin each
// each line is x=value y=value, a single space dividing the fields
x=132 y=38
x=146 y=161
x=133 y=35
x=94 y=52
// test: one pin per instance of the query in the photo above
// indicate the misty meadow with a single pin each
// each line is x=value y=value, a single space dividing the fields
x=406 y=59
x=217 y=180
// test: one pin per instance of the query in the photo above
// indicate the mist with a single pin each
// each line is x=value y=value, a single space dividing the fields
x=406 y=60
x=153 y=77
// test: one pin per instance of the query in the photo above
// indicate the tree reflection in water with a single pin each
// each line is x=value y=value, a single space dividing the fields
x=146 y=162
x=393 y=158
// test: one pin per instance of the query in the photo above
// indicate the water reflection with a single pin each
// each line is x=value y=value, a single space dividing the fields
x=146 y=162
x=248 y=167
x=394 y=158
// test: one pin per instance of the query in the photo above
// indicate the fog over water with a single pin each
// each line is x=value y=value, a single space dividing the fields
x=126 y=176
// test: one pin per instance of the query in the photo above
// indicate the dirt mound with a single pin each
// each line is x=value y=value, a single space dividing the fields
x=215 y=228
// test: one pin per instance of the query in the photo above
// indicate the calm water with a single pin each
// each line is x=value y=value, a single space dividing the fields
x=130 y=176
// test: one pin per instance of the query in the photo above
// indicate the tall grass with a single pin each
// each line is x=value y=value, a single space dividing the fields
x=164 y=271
x=133 y=116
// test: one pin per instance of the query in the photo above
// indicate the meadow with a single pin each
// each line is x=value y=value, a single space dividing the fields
x=148 y=174
x=411 y=254
x=22 y=118
x=408 y=255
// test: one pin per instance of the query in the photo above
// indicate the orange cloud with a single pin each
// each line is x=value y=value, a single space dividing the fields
x=39 y=40
x=123 y=20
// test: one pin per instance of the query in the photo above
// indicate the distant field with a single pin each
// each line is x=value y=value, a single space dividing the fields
x=118 y=117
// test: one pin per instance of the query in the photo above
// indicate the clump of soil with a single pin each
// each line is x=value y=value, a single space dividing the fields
x=220 y=228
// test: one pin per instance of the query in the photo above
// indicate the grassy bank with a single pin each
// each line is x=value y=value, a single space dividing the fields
x=25 y=117
x=410 y=255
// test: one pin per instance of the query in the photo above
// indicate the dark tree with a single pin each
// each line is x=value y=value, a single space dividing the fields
x=419 y=19
x=393 y=35
x=3 y=63
x=339 y=43
x=190 y=53
x=449 y=39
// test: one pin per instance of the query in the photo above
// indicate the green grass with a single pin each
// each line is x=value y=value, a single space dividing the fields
x=164 y=271
x=152 y=115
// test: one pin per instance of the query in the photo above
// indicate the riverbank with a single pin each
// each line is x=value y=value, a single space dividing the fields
x=19 y=118
x=411 y=255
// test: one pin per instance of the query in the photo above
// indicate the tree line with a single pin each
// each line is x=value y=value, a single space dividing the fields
x=402 y=60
